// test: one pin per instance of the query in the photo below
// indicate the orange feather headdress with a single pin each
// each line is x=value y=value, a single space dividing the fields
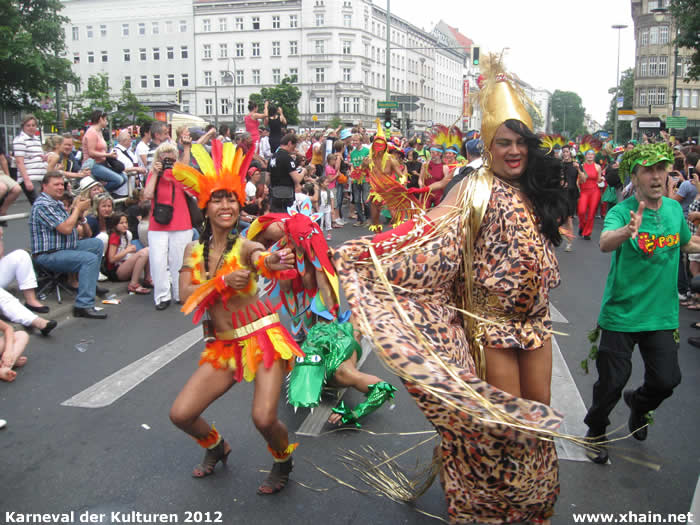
x=446 y=138
x=589 y=143
x=225 y=169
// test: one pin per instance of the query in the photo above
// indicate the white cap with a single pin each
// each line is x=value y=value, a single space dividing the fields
x=86 y=183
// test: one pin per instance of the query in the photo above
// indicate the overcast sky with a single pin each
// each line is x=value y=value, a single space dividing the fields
x=566 y=45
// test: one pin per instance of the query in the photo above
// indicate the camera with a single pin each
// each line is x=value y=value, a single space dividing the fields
x=168 y=164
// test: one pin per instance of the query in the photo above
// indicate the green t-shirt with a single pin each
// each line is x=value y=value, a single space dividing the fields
x=358 y=155
x=640 y=294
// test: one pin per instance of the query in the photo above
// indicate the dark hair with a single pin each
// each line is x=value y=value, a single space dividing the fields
x=289 y=137
x=96 y=115
x=692 y=159
x=223 y=129
x=541 y=184
x=679 y=163
x=145 y=127
x=113 y=220
x=338 y=146
x=51 y=175
x=251 y=105
x=208 y=127
x=309 y=189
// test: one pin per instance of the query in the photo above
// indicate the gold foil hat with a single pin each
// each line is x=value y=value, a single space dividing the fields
x=500 y=98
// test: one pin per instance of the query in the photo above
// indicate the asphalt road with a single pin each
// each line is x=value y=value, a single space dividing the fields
x=128 y=457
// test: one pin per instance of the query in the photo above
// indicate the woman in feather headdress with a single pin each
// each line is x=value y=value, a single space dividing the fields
x=244 y=337
x=457 y=304
x=590 y=174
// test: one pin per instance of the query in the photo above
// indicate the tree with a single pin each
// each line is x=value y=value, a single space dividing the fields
x=567 y=113
x=624 y=127
x=129 y=110
x=335 y=122
x=686 y=16
x=536 y=117
x=285 y=94
x=31 y=41
x=96 y=96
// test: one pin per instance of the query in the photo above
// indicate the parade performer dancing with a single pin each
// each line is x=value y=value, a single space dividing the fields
x=590 y=174
x=244 y=338
x=486 y=249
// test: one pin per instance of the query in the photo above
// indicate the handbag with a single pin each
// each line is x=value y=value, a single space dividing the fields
x=115 y=165
x=163 y=213
x=196 y=216
x=283 y=193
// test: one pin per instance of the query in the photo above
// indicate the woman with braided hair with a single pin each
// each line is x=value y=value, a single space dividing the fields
x=244 y=337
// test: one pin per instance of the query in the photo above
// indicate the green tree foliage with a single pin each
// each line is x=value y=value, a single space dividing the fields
x=129 y=110
x=686 y=14
x=537 y=122
x=335 y=122
x=624 y=128
x=285 y=94
x=31 y=40
x=567 y=113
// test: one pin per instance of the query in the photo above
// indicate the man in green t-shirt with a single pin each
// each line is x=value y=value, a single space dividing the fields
x=360 y=184
x=646 y=233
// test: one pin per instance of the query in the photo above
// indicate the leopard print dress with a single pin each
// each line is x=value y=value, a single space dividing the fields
x=491 y=472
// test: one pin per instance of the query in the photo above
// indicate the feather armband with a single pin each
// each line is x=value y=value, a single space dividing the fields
x=261 y=267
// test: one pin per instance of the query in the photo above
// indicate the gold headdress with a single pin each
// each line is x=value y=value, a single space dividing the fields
x=500 y=98
x=225 y=169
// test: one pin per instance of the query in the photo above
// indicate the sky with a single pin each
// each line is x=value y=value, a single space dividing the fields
x=566 y=45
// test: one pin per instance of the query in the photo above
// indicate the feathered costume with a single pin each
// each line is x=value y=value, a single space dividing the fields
x=552 y=142
x=257 y=335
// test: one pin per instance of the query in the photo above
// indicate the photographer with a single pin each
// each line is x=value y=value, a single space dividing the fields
x=170 y=227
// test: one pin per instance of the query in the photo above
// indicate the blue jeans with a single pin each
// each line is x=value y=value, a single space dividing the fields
x=111 y=179
x=360 y=192
x=85 y=260
x=339 y=195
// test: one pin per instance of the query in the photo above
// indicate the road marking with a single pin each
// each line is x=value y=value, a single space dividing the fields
x=556 y=315
x=695 y=504
x=315 y=421
x=113 y=387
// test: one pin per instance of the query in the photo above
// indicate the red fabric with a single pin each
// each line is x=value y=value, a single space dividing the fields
x=592 y=180
x=181 y=214
x=587 y=206
x=114 y=240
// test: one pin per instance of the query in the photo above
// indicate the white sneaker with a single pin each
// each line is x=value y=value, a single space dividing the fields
x=568 y=248
x=102 y=277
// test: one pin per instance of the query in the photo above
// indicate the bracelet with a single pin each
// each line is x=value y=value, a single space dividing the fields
x=261 y=265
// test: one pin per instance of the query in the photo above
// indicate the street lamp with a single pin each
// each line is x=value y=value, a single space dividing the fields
x=619 y=27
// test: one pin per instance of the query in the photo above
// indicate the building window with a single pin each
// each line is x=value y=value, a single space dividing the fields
x=186 y=105
x=76 y=58
x=320 y=74
x=320 y=105
x=89 y=31
x=347 y=20
x=223 y=50
x=127 y=55
x=183 y=26
x=319 y=47
x=76 y=32
x=240 y=106
x=127 y=82
x=206 y=51
x=653 y=35
x=156 y=53
x=256 y=22
x=663 y=35
x=275 y=49
x=225 y=105
x=239 y=49
x=355 y=104
x=183 y=52
x=293 y=74
x=184 y=80
x=171 y=80
x=91 y=57
x=651 y=96
x=170 y=52
x=239 y=77
x=347 y=74
x=125 y=29
x=276 y=77
x=155 y=28
x=142 y=54
x=644 y=39
x=686 y=98
x=169 y=26
x=346 y=104
x=347 y=4
x=663 y=66
x=293 y=47
x=206 y=25
x=347 y=47
x=223 y=25
x=207 y=78
x=239 y=23
x=652 y=67
x=256 y=49
x=320 y=3
x=293 y=22
x=156 y=81
x=276 y=22
x=256 y=76
x=643 y=67
x=319 y=20
x=103 y=30
x=208 y=106
x=144 y=81
x=661 y=96
x=694 y=98
x=142 y=29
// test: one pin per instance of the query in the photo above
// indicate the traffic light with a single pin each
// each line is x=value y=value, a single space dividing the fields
x=387 y=118
x=475 y=56
x=398 y=123
x=178 y=96
x=408 y=124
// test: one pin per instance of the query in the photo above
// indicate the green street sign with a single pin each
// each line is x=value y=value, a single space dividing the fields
x=677 y=122
x=387 y=104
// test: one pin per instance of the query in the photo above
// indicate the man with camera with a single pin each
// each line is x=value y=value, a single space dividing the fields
x=284 y=175
x=55 y=244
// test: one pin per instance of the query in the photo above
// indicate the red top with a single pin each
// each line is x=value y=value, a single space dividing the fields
x=164 y=195
x=114 y=240
x=252 y=126
x=435 y=174
x=592 y=180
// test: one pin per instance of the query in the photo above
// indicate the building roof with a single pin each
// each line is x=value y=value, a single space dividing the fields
x=462 y=40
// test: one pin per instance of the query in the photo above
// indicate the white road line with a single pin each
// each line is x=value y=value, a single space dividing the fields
x=314 y=422
x=113 y=387
x=556 y=315
x=695 y=504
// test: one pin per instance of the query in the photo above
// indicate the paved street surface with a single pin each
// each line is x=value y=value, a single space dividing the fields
x=89 y=431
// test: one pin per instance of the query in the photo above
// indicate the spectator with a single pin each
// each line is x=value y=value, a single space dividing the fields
x=159 y=135
x=124 y=260
x=17 y=265
x=168 y=239
x=29 y=157
x=55 y=244
x=252 y=121
x=143 y=147
x=265 y=150
x=53 y=146
x=224 y=133
x=95 y=148
x=102 y=209
x=251 y=185
x=12 y=345
x=133 y=171
x=184 y=144
x=9 y=191
x=144 y=222
x=275 y=122
x=68 y=164
x=283 y=175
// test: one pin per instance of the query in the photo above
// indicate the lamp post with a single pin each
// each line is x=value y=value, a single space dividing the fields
x=619 y=27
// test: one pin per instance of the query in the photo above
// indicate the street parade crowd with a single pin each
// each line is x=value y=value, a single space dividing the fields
x=452 y=287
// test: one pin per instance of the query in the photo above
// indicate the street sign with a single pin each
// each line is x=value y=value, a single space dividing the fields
x=387 y=104
x=626 y=112
x=620 y=101
x=314 y=118
x=677 y=122
x=624 y=117
x=408 y=107
x=652 y=124
x=409 y=99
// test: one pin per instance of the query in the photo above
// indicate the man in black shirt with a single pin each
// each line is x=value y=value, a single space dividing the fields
x=570 y=172
x=284 y=175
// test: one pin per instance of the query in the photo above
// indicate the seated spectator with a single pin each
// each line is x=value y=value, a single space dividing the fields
x=253 y=180
x=9 y=191
x=124 y=261
x=12 y=345
x=132 y=170
x=53 y=146
x=95 y=148
x=68 y=164
x=90 y=188
x=102 y=209
x=17 y=266
x=260 y=204
x=144 y=223
x=55 y=244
